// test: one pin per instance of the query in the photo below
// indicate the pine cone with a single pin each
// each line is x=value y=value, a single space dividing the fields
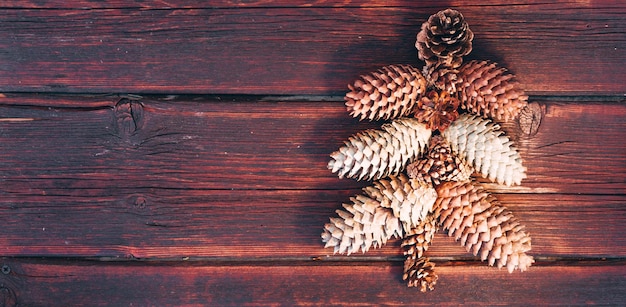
x=484 y=146
x=420 y=273
x=444 y=39
x=388 y=93
x=417 y=240
x=442 y=77
x=439 y=164
x=381 y=212
x=373 y=154
x=437 y=110
x=488 y=90
x=411 y=200
x=364 y=224
x=470 y=214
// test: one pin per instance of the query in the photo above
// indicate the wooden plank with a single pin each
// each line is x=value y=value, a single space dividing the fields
x=208 y=224
x=296 y=50
x=61 y=283
x=170 y=178
x=181 y=4
x=199 y=144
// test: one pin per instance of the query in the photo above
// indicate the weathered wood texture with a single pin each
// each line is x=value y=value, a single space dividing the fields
x=63 y=283
x=194 y=200
x=280 y=48
x=169 y=179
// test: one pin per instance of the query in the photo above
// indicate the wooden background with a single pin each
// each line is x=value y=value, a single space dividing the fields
x=212 y=188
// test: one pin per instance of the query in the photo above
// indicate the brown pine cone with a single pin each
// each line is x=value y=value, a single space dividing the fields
x=420 y=273
x=439 y=164
x=437 y=110
x=388 y=93
x=442 y=77
x=485 y=89
x=444 y=39
x=374 y=154
x=417 y=240
x=485 y=228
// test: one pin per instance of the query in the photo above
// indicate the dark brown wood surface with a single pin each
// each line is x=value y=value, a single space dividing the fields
x=281 y=48
x=212 y=188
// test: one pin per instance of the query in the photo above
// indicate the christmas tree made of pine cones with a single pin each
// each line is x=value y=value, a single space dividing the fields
x=441 y=132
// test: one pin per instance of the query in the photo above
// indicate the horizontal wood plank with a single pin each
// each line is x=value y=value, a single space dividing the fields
x=214 y=190
x=197 y=178
x=254 y=49
x=198 y=144
x=156 y=4
x=45 y=283
x=172 y=224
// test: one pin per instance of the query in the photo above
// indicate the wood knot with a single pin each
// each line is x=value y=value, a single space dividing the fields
x=140 y=202
x=530 y=119
x=7 y=297
x=128 y=117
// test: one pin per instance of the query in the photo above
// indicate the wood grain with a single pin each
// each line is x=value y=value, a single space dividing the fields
x=250 y=49
x=198 y=144
x=172 y=224
x=213 y=189
x=76 y=283
x=197 y=178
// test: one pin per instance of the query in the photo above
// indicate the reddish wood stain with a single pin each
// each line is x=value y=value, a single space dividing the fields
x=219 y=198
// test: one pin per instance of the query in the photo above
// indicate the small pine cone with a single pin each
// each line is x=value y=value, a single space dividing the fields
x=437 y=110
x=486 y=229
x=439 y=164
x=410 y=200
x=362 y=225
x=444 y=39
x=374 y=154
x=484 y=146
x=490 y=91
x=442 y=77
x=417 y=240
x=420 y=273
x=388 y=93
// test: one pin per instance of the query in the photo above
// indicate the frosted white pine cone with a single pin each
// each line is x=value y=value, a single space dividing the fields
x=410 y=199
x=483 y=145
x=373 y=154
x=362 y=225
x=389 y=208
